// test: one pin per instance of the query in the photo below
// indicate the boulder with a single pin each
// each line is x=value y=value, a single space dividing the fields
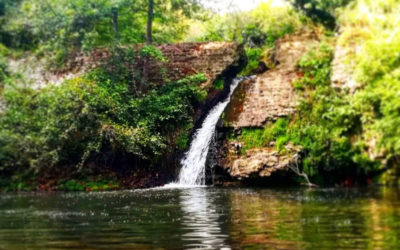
x=262 y=162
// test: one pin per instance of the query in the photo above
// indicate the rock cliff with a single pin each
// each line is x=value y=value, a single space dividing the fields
x=214 y=59
x=259 y=102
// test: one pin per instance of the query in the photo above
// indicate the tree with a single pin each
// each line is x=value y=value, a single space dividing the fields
x=150 y=16
x=170 y=14
x=321 y=11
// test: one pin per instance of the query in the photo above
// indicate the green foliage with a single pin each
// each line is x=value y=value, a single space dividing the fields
x=4 y=50
x=255 y=137
x=87 y=185
x=277 y=132
x=195 y=79
x=15 y=185
x=57 y=28
x=3 y=70
x=372 y=27
x=219 y=84
x=151 y=52
x=320 y=10
x=183 y=138
x=327 y=124
x=316 y=67
x=251 y=138
x=257 y=28
x=67 y=126
x=129 y=66
x=253 y=57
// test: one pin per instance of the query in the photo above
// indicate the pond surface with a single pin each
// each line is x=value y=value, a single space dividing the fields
x=211 y=218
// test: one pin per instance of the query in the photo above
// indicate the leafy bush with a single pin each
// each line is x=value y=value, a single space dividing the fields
x=151 y=52
x=64 y=128
x=257 y=28
x=58 y=28
x=316 y=66
x=253 y=57
x=372 y=27
x=327 y=126
x=320 y=10
x=219 y=84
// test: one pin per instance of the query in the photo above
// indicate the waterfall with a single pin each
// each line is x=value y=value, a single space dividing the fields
x=193 y=164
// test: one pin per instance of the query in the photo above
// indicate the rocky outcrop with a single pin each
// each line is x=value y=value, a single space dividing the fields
x=271 y=95
x=263 y=162
x=214 y=59
x=261 y=101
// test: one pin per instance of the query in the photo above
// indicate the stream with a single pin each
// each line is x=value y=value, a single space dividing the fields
x=204 y=217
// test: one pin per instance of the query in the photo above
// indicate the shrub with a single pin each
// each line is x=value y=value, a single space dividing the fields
x=253 y=57
x=64 y=128
x=372 y=27
x=327 y=126
x=257 y=28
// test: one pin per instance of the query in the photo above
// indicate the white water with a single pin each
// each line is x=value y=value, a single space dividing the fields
x=193 y=164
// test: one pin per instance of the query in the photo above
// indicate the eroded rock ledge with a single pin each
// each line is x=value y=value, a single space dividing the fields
x=263 y=162
x=261 y=101
x=214 y=59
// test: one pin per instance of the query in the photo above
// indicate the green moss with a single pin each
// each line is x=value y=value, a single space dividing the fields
x=261 y=137
x=251 y=138
x=219 y=84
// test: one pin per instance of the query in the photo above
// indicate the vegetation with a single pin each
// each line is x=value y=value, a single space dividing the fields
x=94 y=118
x=58 y=28
x=351 y=134
x=257 y=29
x=88 y=126
x=376 y=71
x=327 y=126
x=321 y=11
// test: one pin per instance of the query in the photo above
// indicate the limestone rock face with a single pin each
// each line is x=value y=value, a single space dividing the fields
x=210 y=58
x=261 y=162
x=263 y=100
x=271 y=94
x=182 y=59
x=185 y=59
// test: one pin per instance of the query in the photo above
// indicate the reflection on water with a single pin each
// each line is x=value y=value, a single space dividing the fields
x=317 y=219
x=207 y=218
x=201 y=219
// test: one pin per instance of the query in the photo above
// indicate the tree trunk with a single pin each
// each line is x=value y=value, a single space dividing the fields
x=115 y=22
x=150 y=16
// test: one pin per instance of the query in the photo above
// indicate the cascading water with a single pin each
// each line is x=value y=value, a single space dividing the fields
x=193 y=164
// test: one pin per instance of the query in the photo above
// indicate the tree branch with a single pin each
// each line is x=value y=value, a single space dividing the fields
x=295 y=168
